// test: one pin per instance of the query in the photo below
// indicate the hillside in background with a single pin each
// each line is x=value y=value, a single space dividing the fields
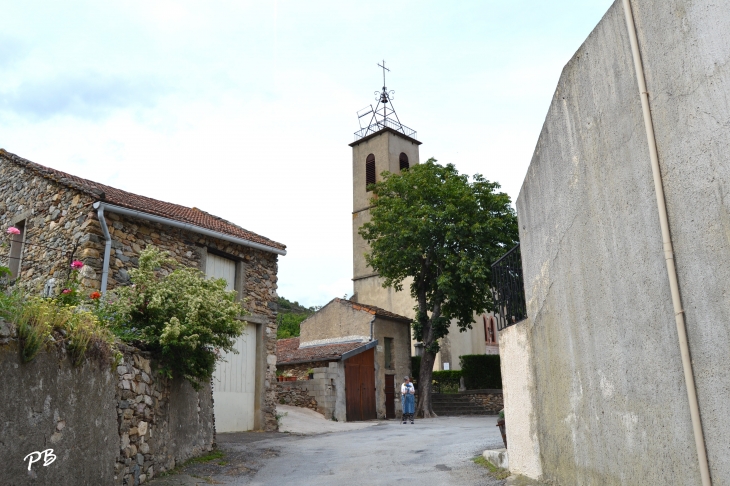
x=291 y=314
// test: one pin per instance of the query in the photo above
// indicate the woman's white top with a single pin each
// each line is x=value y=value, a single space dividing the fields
x=406 y=388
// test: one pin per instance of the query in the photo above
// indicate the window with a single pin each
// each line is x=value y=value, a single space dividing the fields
x=403 y=159
x=16 y=250
x=490 y=332
x=389 y=354
x=369 y=171
x=219 y=267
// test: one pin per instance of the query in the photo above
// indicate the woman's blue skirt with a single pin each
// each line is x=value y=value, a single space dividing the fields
x=408 y=403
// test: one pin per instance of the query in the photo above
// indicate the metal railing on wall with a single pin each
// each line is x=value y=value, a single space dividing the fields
x=508 y=289
x=378 y=125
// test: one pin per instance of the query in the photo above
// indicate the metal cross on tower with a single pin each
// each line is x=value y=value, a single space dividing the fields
x=384 y=69
x=382 y=118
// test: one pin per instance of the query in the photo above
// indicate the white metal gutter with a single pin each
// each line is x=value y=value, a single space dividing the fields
x=101 y=207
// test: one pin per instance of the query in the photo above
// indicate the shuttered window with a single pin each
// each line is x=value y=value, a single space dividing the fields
x=219 y=267
x=369 y=171
x=403 y=159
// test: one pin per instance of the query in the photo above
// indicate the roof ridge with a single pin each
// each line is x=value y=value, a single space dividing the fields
x=145 y=204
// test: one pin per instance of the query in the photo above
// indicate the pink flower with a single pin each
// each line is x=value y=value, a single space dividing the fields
x=76 y=265
x=13 y=231
x=66 y=291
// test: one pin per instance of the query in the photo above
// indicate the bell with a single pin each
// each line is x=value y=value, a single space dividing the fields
x=383 y=98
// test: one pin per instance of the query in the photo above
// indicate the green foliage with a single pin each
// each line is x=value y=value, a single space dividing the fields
x=185 y=319
x=446 y=381
x=289 y=325
x=415 y=368
x=36 y=319
x=291 y=315
x=431 y=223
x=443 y=230
x=481 y=371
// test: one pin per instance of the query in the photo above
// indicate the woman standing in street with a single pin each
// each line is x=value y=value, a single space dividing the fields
x=407 y=399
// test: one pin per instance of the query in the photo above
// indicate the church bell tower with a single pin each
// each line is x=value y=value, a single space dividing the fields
x=382 y=144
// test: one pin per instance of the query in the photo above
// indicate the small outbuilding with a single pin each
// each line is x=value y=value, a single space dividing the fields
x=358 y=354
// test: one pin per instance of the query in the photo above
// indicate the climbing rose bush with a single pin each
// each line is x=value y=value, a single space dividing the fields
x=178 y=314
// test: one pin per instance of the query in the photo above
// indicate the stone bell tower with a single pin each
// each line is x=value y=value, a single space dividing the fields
x=384 y=144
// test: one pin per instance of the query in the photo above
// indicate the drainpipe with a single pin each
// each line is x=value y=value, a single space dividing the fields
x=372 y=322
x=668 y=251
x=107 y=246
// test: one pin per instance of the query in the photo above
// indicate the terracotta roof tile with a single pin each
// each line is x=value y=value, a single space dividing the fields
x=371 y=309
x=144 y=204
x=288 y=351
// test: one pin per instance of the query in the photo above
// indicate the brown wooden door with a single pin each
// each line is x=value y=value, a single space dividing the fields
x=389 y=396
x=360 y=386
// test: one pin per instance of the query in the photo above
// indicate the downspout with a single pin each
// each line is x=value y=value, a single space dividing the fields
x=668 y=251
x=107 y=246
x=372 y=322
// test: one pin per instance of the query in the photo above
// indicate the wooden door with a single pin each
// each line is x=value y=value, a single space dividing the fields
x=390 y=396
x=360 y=386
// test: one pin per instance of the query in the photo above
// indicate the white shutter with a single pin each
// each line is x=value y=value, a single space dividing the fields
x=219 y=267
x=234 y=387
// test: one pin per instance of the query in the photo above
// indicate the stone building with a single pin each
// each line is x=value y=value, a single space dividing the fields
x=359 y=354
x=387 y=145
x=63 y=217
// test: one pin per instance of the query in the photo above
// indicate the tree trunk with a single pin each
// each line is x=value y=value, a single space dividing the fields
x=424 y=408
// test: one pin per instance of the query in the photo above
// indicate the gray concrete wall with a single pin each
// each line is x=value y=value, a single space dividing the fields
x=105 y=426
x=48 y=404
x=610 y=399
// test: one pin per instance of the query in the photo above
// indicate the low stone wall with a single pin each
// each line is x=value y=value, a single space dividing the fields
x=492 y=400
x=300 y=370
x=326 y=390
x=295 y=393
x=105 y=426
x=162 y=422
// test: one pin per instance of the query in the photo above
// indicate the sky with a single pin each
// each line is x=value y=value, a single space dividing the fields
x=246 y=109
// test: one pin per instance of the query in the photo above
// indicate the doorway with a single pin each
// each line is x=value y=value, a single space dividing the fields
x=360 y=386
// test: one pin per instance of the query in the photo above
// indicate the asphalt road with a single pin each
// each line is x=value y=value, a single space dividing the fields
x=432 y=452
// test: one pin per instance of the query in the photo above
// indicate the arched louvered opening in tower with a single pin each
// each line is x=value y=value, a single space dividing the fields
x=403 y=161
x=369 y=171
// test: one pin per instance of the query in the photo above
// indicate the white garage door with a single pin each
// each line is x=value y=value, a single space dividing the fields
x=233 y=379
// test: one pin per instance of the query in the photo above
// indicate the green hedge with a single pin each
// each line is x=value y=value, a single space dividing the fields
x=481 y=371
x=415 y=368
x=447 y=381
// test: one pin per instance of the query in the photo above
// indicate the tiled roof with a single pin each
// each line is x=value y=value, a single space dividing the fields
x=144 y=204
x=371 y=309
x=288 y=351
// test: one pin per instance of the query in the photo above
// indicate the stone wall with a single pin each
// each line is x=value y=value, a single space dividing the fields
x=162 y=422
x=610 y=400
x=296 y=394
x=325 y=393
x=57 y=217
x=106 y=426
x=491 y=400
x=300 y=370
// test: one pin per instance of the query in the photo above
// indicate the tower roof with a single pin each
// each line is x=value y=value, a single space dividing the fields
x=382 y=117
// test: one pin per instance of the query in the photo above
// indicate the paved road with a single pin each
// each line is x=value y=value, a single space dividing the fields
x=432 y=452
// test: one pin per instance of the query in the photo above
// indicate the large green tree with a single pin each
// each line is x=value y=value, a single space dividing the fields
x=440 y=228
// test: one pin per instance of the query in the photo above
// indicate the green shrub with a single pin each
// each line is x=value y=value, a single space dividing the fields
x=288 y=325
x=36 y=319
x=415 y=368
x=481 y=371
x=446 y=381
x=186 y=320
